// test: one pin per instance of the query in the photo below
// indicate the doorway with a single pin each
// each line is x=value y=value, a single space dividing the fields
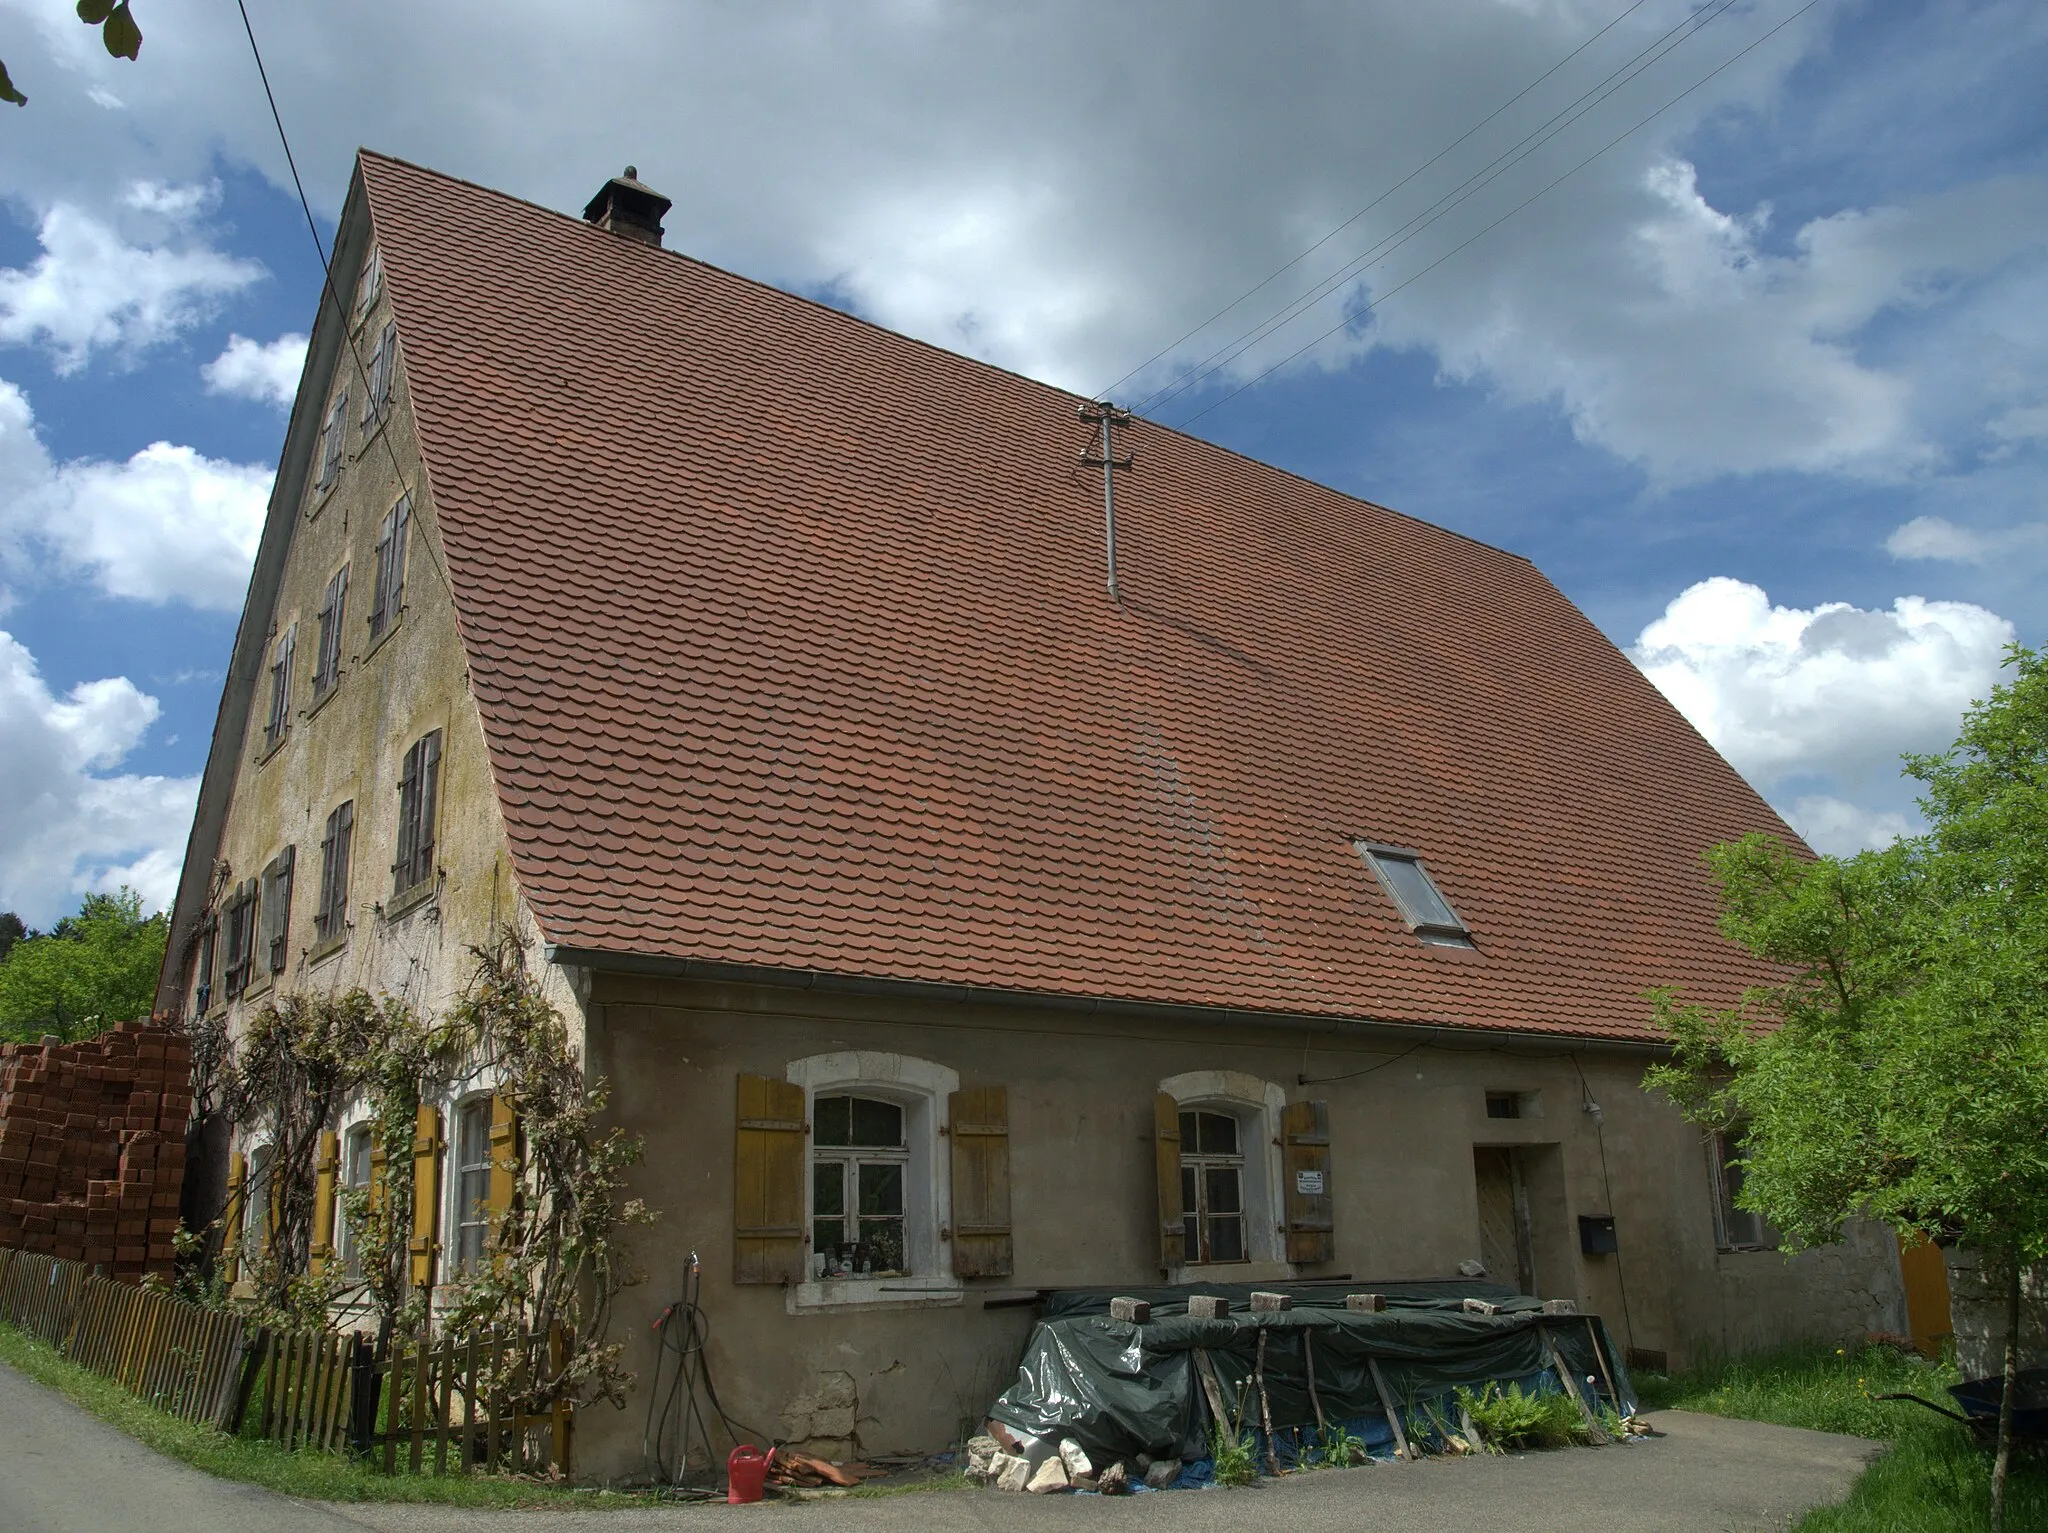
x=1504 y=1244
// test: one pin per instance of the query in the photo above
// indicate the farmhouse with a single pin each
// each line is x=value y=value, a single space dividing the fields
x=952 y=923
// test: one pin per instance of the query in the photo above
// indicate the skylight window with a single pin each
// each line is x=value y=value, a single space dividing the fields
x=1422 y=905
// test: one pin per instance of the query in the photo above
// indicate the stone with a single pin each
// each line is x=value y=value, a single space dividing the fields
x=1075 y=1457
x=1163 y=1473
x=981 y=1452
x=1009 y=1472
x=1204 y=1306
x=1470 y=1268
x=1479 y=1307
x=1051 y=1477
x=1270 y=1303
x=1137 y=1311
x=1115 y=1480
x=1367 y=1303
x=1560 y=1306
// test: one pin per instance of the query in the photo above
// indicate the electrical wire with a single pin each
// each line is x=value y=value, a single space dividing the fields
x=327 y=287
x=1351 y=319
x=1653 y=53
x=685 y=1330
x=1282 y=271
x=1592 y=1109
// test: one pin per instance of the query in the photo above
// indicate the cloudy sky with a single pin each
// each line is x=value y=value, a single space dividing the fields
x=1732 y=316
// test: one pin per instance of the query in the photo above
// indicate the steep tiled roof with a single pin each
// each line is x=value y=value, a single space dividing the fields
x=792 y=648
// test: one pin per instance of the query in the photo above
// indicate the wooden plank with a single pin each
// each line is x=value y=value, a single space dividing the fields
x=390 y=1368
x=447 y=1404
x=419 y=1403
x=1265 y=1406
x=1379 y=1384
x=1571 y=1387
x=498 y=1443
x=1212 y=1389
x=469 y=1410
x=1308 y=1358
x=1600 y=1356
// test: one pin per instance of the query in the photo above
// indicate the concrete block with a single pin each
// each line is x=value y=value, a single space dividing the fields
x=1075 y=1457
x=1009 y=1472
x=1479 y=1307
x=1367 y=1303
x=1138 y=1311
x=1204 y=1306
x=1270 y=1303
x=981 y=1452
x=1560 y=1306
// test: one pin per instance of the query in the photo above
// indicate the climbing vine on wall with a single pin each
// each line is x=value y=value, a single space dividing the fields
x=555 y=1259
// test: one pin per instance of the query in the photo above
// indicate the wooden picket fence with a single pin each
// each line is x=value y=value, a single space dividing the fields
x=451 y=1403
x=435 y=1406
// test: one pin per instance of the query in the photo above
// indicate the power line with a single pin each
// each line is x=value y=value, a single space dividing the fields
x=327 y=287
x=1260 y=286
x=1653 y=53
x=1351 y=319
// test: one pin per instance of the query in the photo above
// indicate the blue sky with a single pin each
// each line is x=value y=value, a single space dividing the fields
x=1763 y=387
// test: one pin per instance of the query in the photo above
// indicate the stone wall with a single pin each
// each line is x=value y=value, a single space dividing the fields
x=1977 y=1307
x=92 y=1147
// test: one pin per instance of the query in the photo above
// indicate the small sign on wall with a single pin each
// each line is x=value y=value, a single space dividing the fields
x=1309 y=1183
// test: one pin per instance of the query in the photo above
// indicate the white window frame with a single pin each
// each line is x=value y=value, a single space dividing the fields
x=346 y=1256
x=924 y=1091
x=1257 y=1105
x=256 y=1238
x=453 y=1215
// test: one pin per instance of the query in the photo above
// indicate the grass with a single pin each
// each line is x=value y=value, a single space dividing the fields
x=308 y=1474
x=1933 y=1479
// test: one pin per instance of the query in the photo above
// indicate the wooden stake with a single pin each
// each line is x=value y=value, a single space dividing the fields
x=1379 y=1383
x=1265 y=1406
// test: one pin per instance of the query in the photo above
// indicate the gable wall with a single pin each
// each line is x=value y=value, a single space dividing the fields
x=349 y=745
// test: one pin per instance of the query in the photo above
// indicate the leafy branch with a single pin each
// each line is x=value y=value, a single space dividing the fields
x=118 y=30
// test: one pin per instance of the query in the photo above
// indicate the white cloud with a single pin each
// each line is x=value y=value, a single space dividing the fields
x=92 y=290
x=1938 y=538
x=267 y=372
x=167 y=525
x=69 y=823
x=1829 y=824
x=1831 y=694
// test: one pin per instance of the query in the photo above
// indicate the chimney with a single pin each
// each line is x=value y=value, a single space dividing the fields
x=628 y=209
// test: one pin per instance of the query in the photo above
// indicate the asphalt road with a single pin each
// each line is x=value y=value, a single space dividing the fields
x=63 y=1471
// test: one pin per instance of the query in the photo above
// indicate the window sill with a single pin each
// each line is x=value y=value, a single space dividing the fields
x=258 y=988
x=831 y=1295
x=1235 y=1272
x=270 y=748
x=320 y=952
x=379 y=639
x=323 y=697
x=322 y=494
x=411 y=900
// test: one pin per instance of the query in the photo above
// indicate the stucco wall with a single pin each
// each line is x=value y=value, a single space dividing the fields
x=349 y=745
x=1403 y=1126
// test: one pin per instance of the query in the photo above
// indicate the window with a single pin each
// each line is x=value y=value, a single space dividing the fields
x=1415 y=894
x=280 y=689
x=331 y=919
x=1736 y=1228
x=389 y=594
x=331 y=441
x=859 y=1160
x=355 y=1177
x=1212 y=1187
x=202 y=989
x=383 y=362
x=277 y=909
x=472 y=1182
x=370 y=281
x=240 y=916
x=256 y=1201
x=1503 y=1104
x=418 y=779
x=333 y=609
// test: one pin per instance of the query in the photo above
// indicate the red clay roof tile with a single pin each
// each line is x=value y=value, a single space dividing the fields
x=792 y=649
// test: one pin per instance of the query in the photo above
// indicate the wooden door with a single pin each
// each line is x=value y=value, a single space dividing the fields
x=1503 y=1217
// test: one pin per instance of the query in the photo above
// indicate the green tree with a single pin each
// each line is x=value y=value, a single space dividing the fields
x=1900 y=1070
x=118 y=31
x=11 y=932
x=93 y=969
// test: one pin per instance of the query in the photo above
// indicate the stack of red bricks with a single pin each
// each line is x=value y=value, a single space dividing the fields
x=92 y=1147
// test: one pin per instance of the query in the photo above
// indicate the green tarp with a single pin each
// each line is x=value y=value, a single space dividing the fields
x=1121 y=1388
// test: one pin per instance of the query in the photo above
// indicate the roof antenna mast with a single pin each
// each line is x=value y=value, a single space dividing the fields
x=1101 y=412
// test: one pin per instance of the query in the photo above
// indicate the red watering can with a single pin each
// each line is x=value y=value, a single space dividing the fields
x=746 y=1468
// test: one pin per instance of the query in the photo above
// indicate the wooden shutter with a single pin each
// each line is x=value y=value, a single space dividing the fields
x=231 y=1218
x=426 y=1195
x=768 y=1182
x=1305 y=1162
x=430 y=781
x=380 y=1178
x=982 y=1244
x=504 y=1159
x=1166 y=1157
x=323 y=1202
